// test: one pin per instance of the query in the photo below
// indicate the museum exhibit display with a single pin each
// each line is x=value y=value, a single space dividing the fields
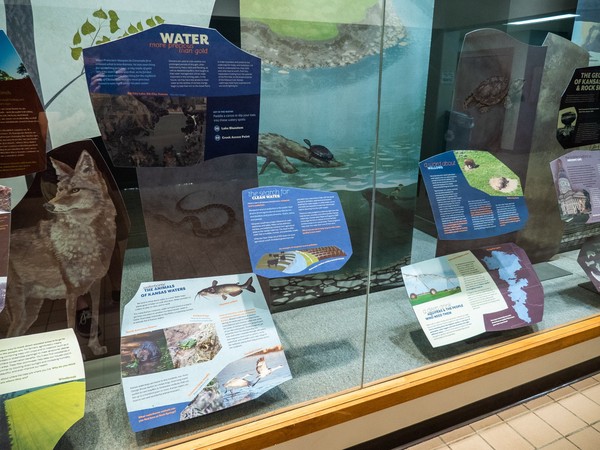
x=253 y=221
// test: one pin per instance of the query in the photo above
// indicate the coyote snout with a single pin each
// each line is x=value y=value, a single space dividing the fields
x=66 y=256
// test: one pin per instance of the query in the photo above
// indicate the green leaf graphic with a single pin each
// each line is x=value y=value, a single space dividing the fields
x=140 y=26
x=131 y=29
x=113 y=15
x=102 y=40
x=87 y=28
x=100 y=14
x=76 y=53
x=159 y=19
x=77 y=38
x=114 y=26
x=150 y=22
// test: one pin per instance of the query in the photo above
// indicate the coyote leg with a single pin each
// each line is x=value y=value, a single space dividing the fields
x=93 y=342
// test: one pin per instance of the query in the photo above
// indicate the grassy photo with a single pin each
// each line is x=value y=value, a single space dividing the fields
x=313 y=20
x=485 y=172
x=38 y=419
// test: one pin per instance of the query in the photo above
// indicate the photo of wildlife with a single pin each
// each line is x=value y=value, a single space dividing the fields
x=239 y=382
x=144 y=353
x=152 y=130
x=213 y=345
x=192 y=343
x=319 y=116
x=485 y=172
x=68 y=237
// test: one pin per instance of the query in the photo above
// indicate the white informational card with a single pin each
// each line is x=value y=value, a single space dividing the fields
x=195 y=346
x=458 y=296
x=42 y=388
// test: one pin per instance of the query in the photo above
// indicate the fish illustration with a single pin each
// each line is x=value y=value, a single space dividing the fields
x=224 y=290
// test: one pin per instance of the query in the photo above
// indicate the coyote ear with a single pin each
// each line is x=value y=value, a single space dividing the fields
x=62 y=170
x=85 y=164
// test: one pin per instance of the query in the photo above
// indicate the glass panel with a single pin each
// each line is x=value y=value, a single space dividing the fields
x=393 y=332
x=402 y=105
x=353 y=96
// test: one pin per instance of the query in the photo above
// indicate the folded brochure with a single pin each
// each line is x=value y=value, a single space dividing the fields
x=458 y=296
x=195 y=346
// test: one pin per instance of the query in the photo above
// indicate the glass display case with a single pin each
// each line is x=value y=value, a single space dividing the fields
x=334 y=105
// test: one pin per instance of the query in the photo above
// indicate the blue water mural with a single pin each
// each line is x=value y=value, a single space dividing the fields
x=337 y=107
x=369 y=114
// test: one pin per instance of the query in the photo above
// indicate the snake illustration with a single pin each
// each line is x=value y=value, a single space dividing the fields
x=191 y=217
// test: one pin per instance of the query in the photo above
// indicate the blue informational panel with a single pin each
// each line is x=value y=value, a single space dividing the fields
x=174 y=95
x=473 y=195
x=294 y=231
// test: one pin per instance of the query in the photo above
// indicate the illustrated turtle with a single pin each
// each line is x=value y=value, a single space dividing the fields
x=319 y=151
x=492 y=91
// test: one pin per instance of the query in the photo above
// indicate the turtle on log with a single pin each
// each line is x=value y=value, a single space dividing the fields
x=492 y=91
x=319 y=151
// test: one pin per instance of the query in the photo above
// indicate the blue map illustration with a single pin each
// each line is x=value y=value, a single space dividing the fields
x=508 y=266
